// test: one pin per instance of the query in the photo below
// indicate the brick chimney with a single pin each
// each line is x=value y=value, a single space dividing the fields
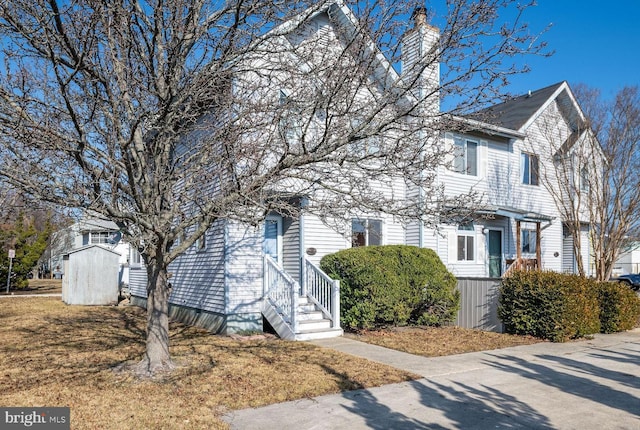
x=420 y=65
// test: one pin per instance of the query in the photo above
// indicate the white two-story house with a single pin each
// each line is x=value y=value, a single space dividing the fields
x=506 y=154
x=237 y=273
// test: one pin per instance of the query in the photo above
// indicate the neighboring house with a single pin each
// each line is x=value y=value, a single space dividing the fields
x=628 y=261
x=91 y=230
x=506 y=156
x=238 y=274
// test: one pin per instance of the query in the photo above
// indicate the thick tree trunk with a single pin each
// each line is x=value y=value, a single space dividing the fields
x=157 y=357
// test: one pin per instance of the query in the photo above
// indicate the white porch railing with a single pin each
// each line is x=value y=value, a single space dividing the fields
x=321 y=290
x=281 y=290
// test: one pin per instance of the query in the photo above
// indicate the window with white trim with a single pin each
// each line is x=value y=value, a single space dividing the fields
x=201 y=242
x=465 y=153
x=584 y=180
x=101 y=237
x=366 y=232
x=466 y=242
x=528 y=241
x=529 y=166
x=135 y=258
x=289 y=124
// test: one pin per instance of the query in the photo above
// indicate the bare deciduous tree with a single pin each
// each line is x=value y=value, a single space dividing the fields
x=168 y=115
x=596 y=185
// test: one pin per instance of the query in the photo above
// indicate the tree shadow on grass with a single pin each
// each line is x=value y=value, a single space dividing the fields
x=54 y=349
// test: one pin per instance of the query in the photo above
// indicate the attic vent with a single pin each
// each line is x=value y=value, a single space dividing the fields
x=529 y=94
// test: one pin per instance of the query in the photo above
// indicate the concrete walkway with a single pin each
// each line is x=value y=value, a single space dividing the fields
x=589 y=384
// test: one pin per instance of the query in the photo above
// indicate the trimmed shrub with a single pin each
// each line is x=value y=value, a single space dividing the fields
x=549 y=305
x=619 y=307
x=392 y=285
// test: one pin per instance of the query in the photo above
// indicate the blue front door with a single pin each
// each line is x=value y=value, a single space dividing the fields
x=272 y=244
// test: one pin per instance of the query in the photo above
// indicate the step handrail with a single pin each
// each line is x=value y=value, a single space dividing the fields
x=323 y=291
x=281 y=290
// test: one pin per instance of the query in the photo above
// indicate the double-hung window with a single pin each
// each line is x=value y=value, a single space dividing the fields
x=200 y=244
x=528 y=241
x=366 y=232
x=289 y=123
x=135 y=259
x=584 y=180
x=465 y=153
x=466 y=242
x=529 y=167
x=102 y=237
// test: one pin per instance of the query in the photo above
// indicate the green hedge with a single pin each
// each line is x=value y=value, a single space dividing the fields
x=559 y=307
x=392 y=285
x=619 y=307
x=549 y=305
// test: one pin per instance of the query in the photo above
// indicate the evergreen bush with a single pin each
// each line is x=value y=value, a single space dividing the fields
x=549 y=305
x=392 y=285
x=619 y=307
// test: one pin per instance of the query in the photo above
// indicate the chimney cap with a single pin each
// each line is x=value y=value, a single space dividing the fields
x=419 y=16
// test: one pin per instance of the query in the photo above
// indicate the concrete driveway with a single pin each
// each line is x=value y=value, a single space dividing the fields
x=589 y=384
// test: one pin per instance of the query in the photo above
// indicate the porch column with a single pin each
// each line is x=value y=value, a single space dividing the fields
x=538 y=250
x=518 y=244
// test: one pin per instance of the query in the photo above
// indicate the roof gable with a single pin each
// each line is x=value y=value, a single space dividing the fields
x=515 y=113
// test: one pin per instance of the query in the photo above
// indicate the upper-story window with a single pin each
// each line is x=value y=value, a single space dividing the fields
x=465 y=159
x=101 y=238
x=135 y=259
x=201 y=243
x=466 y=242
x=289 y=124
x=529 y=168
x=584 y=179
x=366 y=232
x=364 y=144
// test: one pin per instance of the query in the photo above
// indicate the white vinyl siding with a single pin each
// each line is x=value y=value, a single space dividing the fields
x=198 y=277
x=321 y=240
x=243 y=269
x=138 y=281
x=291 y=247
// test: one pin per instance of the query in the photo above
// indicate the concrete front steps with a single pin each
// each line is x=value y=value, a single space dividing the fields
x=310 y=321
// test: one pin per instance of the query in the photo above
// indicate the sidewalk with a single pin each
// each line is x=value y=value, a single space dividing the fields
x=576 y=385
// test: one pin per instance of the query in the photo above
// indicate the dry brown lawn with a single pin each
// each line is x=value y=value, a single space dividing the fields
x=37 y=286
x=58 y=355
x=438 y=341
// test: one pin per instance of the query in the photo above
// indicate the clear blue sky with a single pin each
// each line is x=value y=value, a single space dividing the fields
x=595 y=42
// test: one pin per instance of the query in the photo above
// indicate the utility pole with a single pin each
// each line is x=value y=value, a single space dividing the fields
x=12 y=254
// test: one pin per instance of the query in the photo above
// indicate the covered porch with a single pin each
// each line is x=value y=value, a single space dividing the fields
x=528 y=249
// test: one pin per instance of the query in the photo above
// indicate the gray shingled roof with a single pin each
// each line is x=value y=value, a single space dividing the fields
x=514 y=113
